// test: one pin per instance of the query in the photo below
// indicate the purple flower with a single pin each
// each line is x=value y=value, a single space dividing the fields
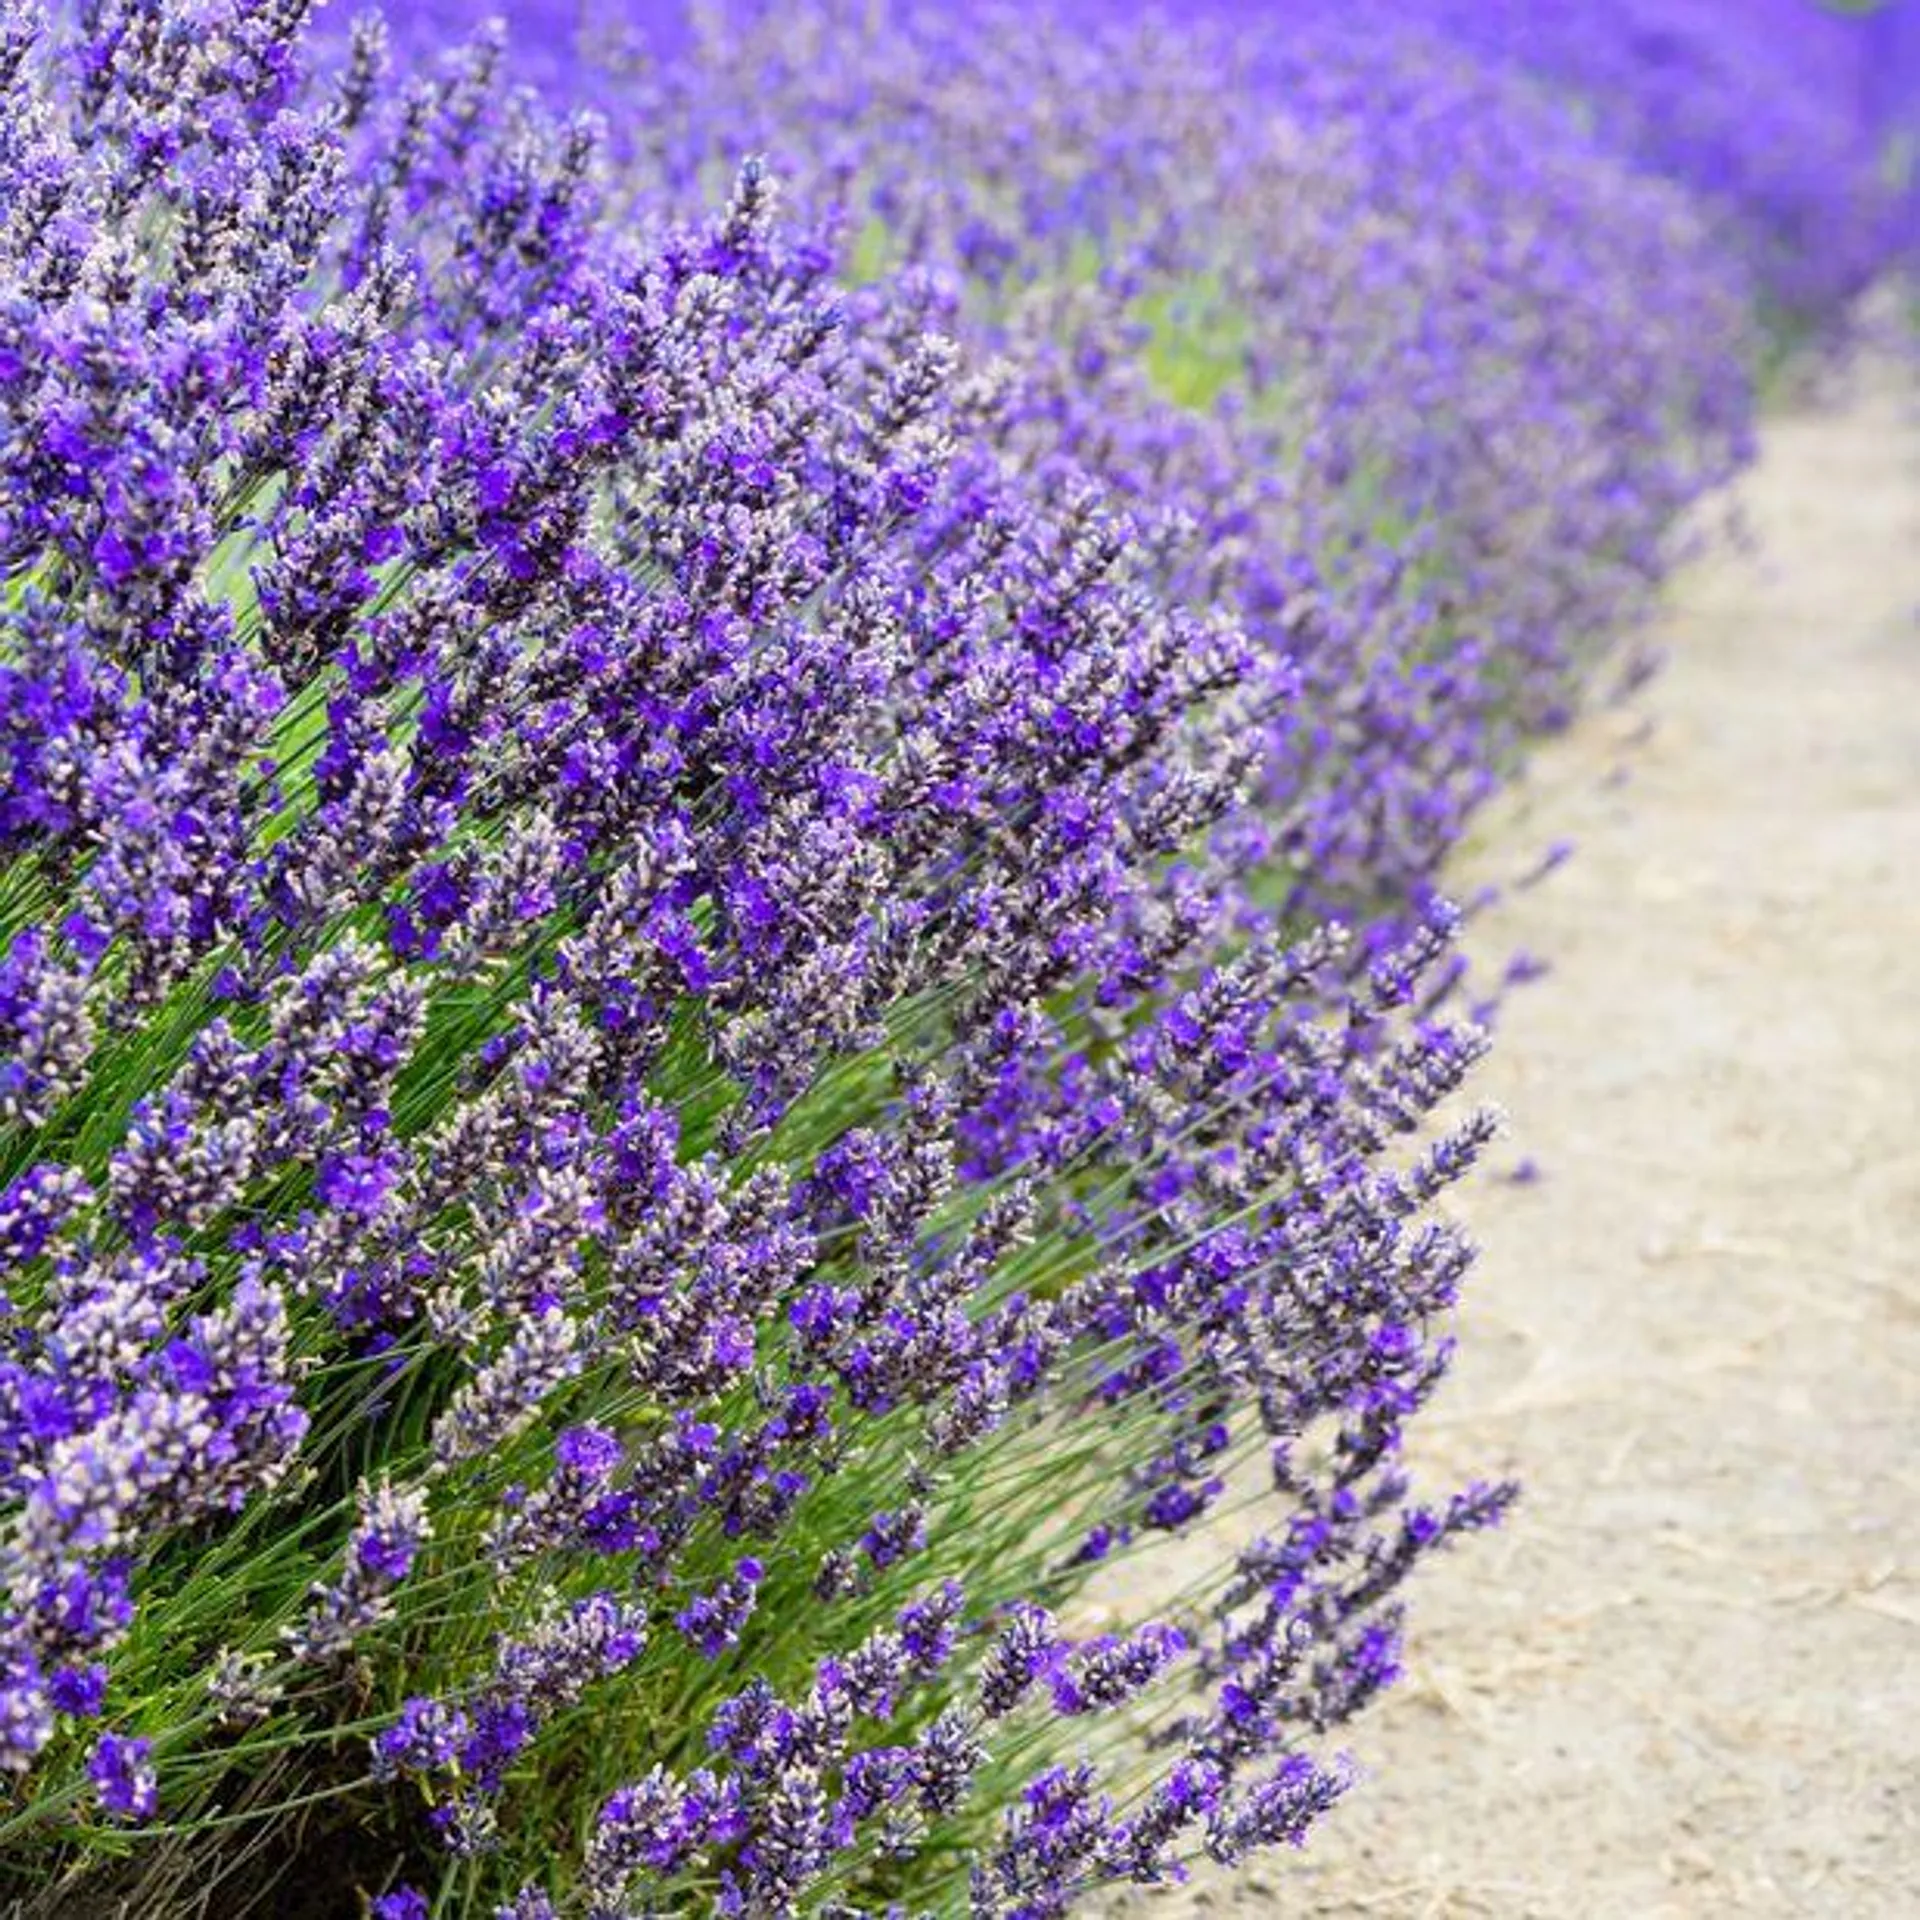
x=403 y=1903
x=424 y=1739
x=26 y=1712
x=714 y=1621
x=123 y=1777
x=891 y=1537
x=79 y=1690
x=591 y=1452
x=355 y=1182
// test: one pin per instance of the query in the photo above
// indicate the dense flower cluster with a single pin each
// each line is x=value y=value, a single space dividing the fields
x=666 y=1057
x=1793 y=120
x=1426 y=432
x=1781 y=117
x=1767 y=112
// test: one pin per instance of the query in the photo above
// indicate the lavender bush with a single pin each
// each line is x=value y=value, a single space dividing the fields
x=718 y=944
x=1427 y=431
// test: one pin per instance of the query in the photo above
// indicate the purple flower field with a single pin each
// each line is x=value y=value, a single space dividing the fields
x=729 y=745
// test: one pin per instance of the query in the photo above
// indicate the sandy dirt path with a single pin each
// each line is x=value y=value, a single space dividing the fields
x=1687 y=1680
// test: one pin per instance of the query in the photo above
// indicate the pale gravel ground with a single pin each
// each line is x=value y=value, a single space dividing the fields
x=1687 y=1681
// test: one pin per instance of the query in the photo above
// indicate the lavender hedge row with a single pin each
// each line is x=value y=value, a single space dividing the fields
x=1777 y=115
x=719 y=950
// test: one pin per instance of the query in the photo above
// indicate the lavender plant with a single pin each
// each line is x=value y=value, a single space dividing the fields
x=1426 y=432
x=635 y=1097
x=671 y=1057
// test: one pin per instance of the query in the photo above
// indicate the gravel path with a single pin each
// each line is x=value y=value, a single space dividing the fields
x=1687 y=1680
